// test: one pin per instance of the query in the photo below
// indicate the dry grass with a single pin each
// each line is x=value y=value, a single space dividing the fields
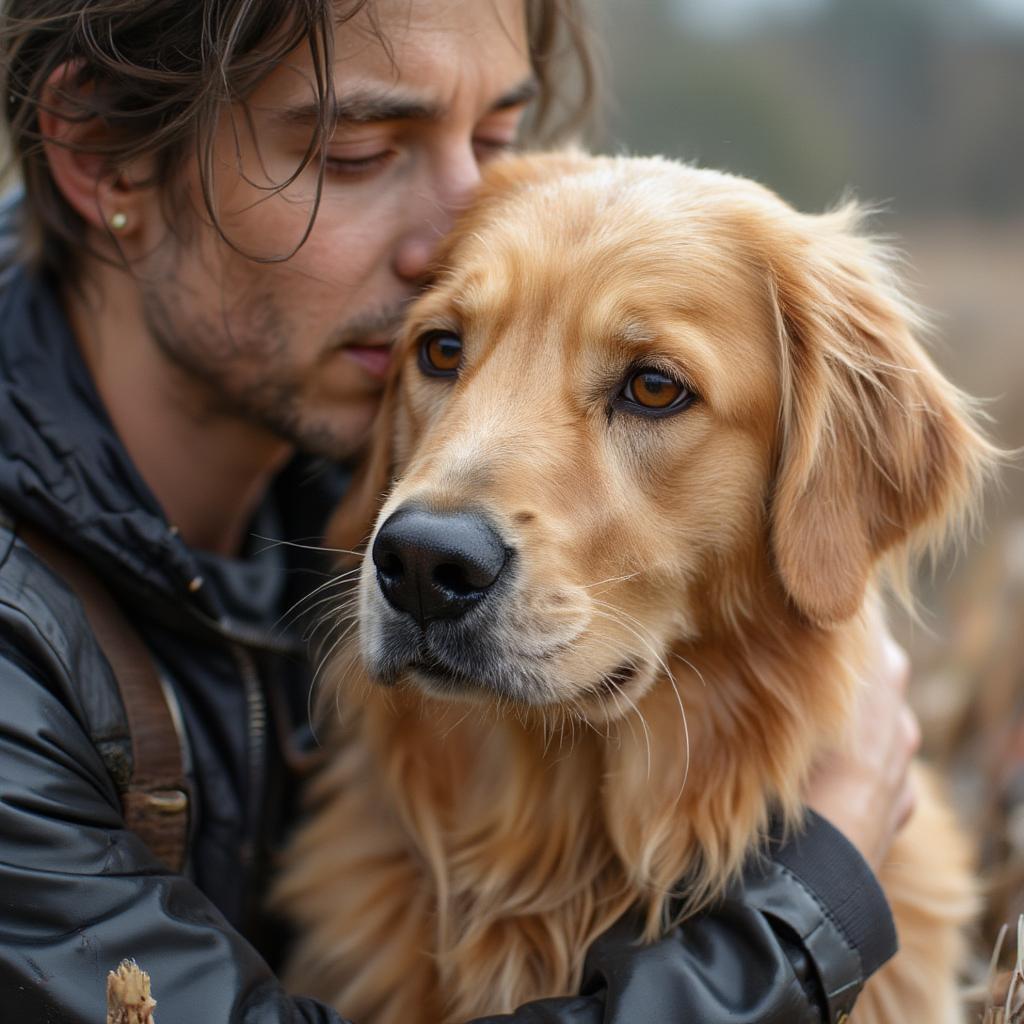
x=129 y=1000
x=1002 y=1000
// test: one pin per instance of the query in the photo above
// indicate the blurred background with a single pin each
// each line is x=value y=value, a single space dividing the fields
x=917 y=105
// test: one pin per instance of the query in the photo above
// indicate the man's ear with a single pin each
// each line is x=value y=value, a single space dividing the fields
x=352 y=524
x=76 y=145
x=876 y=448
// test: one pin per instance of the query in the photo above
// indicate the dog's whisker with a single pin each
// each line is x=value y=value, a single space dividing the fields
x=686 y=740
x=341 y=675
x=614 y=646
x=452 y=728
x=615 y=615
x=643 y=723
x=341 y=672
x=343 y=602
x=334 y=646
x=336 y=580
x=647 y=640
x=672 y=681
x=349 y=593
x=547 y=730
x=292 y=615
x=273 y=542
x=329 y=624
x=611 y=579
x=340 y=668
x=693 y=668
x=577 y=704
x=614 y=688
x=344 y=609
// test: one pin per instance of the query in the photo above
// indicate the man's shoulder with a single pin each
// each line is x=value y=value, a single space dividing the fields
x=37 y=608
x=45 y=631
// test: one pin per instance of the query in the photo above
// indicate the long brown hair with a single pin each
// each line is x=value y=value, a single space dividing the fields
x=159 y=74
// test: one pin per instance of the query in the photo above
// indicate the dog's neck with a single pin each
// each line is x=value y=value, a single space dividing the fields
x=508 y=811
x=780 y=694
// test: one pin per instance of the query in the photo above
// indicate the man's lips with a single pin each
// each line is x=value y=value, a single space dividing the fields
x=374 y=358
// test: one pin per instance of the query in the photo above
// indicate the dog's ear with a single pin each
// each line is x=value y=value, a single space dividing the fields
x=876 y=449
x=352 y=522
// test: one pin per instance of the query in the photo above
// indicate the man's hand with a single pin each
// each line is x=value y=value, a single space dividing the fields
x=866 y=790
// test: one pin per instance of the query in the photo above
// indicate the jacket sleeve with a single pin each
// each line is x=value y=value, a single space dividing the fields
x=793 y=943
x=79 y=893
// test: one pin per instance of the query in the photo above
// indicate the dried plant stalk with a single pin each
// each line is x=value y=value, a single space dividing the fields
x=128 y=996
x=1012 y=1009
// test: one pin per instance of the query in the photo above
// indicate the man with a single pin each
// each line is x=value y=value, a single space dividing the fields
x=227 y=206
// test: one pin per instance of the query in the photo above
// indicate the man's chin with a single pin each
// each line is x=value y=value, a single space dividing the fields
x=342 y=430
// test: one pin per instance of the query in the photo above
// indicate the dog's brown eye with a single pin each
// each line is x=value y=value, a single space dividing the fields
x=440 y=353
x=654 y=391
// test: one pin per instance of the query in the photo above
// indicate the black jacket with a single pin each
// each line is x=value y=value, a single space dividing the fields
x=78 y=892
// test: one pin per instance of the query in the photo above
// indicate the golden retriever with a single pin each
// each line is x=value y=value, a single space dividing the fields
x=652 y=440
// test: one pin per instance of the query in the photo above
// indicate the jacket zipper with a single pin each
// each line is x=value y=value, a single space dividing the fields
x=256 y=717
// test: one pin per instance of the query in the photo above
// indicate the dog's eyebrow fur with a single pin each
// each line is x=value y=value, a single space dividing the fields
x=687 y=352
x=636 y=333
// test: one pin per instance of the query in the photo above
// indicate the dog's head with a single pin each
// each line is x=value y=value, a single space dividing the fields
x=642 y=404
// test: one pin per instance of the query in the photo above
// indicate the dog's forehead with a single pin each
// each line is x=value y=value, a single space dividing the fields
x=616 y=236
x=602 y=200
x=630 y=251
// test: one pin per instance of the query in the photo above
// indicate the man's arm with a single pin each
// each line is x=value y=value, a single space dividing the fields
x=793 y=944
x=79 y=894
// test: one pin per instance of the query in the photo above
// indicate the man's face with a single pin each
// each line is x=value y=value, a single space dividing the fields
x=426 y=91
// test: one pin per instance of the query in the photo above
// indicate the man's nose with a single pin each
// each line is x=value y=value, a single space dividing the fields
x=451 y=188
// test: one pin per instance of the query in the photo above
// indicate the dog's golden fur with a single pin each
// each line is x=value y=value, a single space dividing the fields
x=463 y=854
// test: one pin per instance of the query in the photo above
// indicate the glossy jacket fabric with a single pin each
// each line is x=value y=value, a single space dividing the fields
x=78 y=892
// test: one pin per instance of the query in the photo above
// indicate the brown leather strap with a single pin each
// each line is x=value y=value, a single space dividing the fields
x=155 y=802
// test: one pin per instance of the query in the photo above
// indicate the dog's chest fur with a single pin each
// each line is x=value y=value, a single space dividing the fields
x=469 y=860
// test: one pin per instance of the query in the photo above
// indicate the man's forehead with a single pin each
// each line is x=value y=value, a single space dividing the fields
x=404 y=59
x=398 y=23
x=412 y=40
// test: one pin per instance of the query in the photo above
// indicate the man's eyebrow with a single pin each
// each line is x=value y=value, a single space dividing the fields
x=525 y=92
x=368 y=106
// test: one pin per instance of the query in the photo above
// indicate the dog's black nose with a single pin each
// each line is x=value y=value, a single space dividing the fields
x=436 y=566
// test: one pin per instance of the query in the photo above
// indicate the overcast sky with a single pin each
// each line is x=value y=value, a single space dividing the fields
x=1009 y=10
x=726 y=15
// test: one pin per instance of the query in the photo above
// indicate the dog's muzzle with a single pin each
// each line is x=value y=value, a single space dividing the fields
x=434 y=565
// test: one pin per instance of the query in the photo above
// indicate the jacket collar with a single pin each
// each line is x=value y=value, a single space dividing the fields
x=63 y=467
